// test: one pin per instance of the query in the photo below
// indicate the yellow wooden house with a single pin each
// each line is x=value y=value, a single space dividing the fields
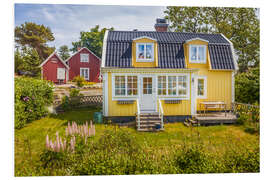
x=164 y=74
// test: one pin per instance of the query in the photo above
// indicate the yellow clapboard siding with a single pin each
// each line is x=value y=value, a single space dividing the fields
x=119 y=109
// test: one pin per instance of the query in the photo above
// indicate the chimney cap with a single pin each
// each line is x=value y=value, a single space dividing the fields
x=135 y=29
x=161 y=21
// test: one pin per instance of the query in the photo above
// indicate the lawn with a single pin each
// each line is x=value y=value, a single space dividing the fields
x=30 y=140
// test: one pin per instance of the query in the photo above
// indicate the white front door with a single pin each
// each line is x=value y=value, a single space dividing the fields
x=147 y=93
x=61 y=73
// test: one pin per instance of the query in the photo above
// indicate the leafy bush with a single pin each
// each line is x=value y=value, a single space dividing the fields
x=79 y=81
x=193 y=159
x=31 y=98
x=74 y=92
x=247 y=86
x=245 y=160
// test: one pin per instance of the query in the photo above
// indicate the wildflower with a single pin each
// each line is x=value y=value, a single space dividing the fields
x=47 y=142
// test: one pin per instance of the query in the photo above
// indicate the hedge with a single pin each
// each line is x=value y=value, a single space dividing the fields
x=31 y=98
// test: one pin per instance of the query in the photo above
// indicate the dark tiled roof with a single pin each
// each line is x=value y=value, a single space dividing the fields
x=221 y=56
x=170 y=48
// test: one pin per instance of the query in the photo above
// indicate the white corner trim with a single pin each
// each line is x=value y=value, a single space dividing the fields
x=233 y=53
x=105 y=94
x=233 y=89
x=54 y=53
x=193 y=95
x=104 y=48
x=141 y=37
x=193 y=39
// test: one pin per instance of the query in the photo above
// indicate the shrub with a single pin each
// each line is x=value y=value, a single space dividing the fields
x=31 y=98
x=247 y=86
x=74 y=92
x=193 y=159
x=79 y=81
x=244 y=160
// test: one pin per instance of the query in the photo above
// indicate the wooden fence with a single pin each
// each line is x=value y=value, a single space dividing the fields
x=248 y=110
x=80 y=101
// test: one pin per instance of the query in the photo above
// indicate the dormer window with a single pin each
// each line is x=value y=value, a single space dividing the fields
x=197 y=54
x=84 y=57
x=144 y=52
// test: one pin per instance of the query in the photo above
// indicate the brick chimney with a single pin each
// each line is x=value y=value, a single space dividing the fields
x=161 y=25
x=79 y=48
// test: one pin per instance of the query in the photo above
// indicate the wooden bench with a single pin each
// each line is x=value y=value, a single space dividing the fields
x=213 y=105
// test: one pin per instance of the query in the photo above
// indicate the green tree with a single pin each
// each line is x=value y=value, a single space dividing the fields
x=64 y=52
x=247 y=86
x=29 y=61
x=18 y=60
x=35 y=36
x=92 y=39
x=240 y=25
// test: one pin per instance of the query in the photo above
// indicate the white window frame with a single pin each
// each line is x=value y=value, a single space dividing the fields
x=177 y=96
x=205 y=87
x=203 y=61
x=82 y=55
x=87 y=71
x=126 y=96
x=144 y=59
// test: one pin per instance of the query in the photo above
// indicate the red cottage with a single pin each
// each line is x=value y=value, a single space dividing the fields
x=84 y=63
x=54 y=69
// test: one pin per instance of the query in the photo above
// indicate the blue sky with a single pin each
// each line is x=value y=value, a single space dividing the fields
x=66 y=21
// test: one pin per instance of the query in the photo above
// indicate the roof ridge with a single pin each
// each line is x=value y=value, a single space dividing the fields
x=166 y=32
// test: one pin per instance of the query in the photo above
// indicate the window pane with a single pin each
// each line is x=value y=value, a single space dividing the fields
x=193 y=54
x=200 y=87
x=201 y=53
x=132 y=85
x=149 y=53
x=182 y=85
x=120 y=85
x=172 y=85
x=161 y=85
x=141 y=51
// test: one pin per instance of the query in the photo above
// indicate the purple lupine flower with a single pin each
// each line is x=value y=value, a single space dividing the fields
x=47 y=142
x=26 y=98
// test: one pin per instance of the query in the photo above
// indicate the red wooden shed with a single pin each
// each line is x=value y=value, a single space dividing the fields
x=84 y=63
x=54 y=69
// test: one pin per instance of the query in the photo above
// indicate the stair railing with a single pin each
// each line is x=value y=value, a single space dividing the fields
x=138 y=113
x=160 y=113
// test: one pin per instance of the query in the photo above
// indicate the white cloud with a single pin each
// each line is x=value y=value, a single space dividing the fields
x=66 y=21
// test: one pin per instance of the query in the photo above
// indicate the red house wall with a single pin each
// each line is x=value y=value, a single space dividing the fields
x=93 y=65
x=49 y=69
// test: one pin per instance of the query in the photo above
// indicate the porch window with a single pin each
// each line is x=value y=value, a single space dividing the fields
x=125 y=85
x=145 y=52
x=84 y=57
x=172 y=85
x=162 y=85
x=84 y=72
x=120 y=86
x=197 y=54
x=182 y=85
x=132 y=88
